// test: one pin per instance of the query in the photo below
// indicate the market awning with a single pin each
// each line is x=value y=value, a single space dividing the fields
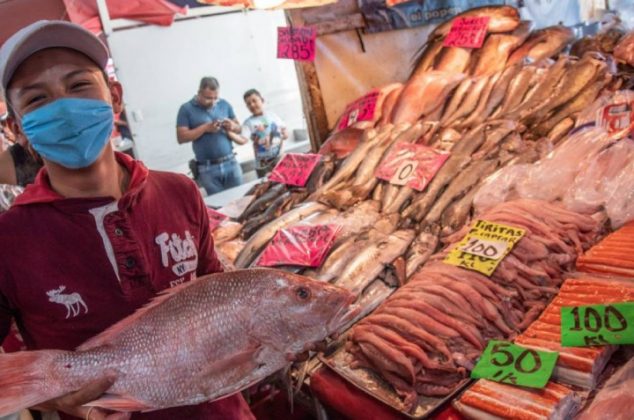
x=155 y=12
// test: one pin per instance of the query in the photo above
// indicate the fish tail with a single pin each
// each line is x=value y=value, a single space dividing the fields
x=23 y=380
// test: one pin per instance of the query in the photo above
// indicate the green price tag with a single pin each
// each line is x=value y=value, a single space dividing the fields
x=597 y=325
x=510 y=364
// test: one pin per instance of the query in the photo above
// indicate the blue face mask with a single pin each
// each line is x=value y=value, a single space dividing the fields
x=70 y=131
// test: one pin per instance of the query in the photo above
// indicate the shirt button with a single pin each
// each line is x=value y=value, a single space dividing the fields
x=118 y=232
x=129 y=262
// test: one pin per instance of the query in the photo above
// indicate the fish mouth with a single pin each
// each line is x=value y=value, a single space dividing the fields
x=346 y=313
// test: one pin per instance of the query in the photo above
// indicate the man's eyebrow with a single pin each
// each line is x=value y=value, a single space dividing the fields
x=42 y=85
x=76 y=73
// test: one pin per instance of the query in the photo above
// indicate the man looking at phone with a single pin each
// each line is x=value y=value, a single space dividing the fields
x=210 y=124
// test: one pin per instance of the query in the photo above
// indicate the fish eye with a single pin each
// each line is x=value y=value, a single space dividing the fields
x=302 y=293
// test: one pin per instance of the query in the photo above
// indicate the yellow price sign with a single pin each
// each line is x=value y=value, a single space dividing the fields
x=485 y=245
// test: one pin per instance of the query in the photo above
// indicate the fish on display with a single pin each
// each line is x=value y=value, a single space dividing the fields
x=197 y=342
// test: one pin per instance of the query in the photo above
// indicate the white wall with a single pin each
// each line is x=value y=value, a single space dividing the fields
x=160 y=69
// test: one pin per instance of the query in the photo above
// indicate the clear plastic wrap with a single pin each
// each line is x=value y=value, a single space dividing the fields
x=616 y=400
x=600 y=179
x=8 y=194
x=303 y=245
x=547 y=179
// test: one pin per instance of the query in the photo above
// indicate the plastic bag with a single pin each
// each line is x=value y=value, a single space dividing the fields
x=616 y=400
x=303 y=245
x=8 y=194
x=599 y=179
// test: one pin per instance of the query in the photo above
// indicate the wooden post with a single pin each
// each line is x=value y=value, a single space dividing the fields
x=312 y=101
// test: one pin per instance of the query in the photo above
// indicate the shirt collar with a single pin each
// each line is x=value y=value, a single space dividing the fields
x=41 y=190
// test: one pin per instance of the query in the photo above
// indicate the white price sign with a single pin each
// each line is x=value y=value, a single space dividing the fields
x=485 y=248
x=405 y=172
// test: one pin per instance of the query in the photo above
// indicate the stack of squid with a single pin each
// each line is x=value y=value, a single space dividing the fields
x=425 y=338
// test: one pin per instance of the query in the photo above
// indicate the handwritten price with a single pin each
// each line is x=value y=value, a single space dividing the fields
x=485 y=248
x=299 y=245
x=360 y=110
x=295 y=168
x=297 y=43
x=511 y=364
x=467 y=32
x=597 y=325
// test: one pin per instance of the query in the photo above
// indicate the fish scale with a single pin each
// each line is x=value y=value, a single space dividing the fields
x=200 y=341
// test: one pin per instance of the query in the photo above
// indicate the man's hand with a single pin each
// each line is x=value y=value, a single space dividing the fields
x=230 y=125
x=72 y=403
x=213 y=127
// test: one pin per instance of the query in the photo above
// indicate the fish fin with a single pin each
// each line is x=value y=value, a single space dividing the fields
x=248 y=356
x=120 y=403
x=23 y=380
x=111 y=332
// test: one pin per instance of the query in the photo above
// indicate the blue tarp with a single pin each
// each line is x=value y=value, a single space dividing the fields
x=379 y=17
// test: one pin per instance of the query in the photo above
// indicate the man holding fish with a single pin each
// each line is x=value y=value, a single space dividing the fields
x=104 y=234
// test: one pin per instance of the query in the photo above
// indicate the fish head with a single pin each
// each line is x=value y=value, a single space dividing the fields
x=306 y=312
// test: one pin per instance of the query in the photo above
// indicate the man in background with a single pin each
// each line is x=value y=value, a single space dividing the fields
x=208 y=122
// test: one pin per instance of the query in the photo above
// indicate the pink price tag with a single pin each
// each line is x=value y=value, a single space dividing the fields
x=413 y=165
x=360 y=110
x=296 y=43
x=295 y=168
x=306 y=246
x=467 y=32
x=215 y=218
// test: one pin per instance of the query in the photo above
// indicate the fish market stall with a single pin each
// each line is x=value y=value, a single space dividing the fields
x=454 y=198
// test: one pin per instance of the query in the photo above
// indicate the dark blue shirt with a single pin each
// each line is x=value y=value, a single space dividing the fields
x=209 y=146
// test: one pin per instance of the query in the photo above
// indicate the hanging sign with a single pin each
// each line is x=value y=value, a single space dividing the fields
x=512 y=364
x=296 y=43
x=305 y=246
x=215 y=218
x=485 y=245
x=467 y=32
x=597 y=325
x=360 y=110
x=295 y=168
x=410 y=164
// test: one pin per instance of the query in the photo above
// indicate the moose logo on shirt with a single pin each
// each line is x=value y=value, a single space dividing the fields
x=72 y=301
x=180 y=252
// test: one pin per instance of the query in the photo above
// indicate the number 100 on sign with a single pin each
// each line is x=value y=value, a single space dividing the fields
x=597 y=325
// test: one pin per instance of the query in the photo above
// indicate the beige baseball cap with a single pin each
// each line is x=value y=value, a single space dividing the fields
x=48 y=34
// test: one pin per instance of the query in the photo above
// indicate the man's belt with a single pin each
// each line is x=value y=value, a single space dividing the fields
x=215 y=161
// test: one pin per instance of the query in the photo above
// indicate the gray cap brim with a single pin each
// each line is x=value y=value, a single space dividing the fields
x=48 y=34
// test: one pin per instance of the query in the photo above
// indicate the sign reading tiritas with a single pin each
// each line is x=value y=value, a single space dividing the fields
x=485 y=245
x=515 y=365
x=597 y=325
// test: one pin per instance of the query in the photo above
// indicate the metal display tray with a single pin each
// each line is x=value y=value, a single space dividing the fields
x=373 y=385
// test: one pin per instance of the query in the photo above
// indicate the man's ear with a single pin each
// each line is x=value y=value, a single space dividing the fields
x=116 y=92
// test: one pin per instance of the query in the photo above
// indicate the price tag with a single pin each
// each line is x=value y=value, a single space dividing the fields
x=405 y=172
x=617 y=118
x=360 y=110
x=215 y=218
x=485 y=248
x=305 y=246
x=409 y=164
x=511 y=364
x=597 y=325
x=295 y=168
x=296 y=43
x=467 y=32
x=484 y=238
